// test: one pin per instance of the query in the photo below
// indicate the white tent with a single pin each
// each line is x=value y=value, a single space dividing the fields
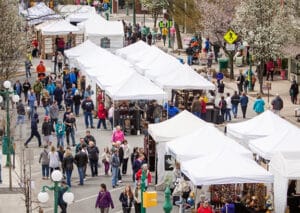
x=262 y=125
x=179 y=125
x=76 y=13
x=206 y=140
x=284 y=166
x=281 y=141
x=96 y=28
x=39 y=13
x=225 y=167
x=84 y=48
x=60 y=27
x=163 y=69
x=136 y=87
x=132 y=49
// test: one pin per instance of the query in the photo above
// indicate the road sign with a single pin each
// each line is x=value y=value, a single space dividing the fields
x=230 y=37
x=230 y=47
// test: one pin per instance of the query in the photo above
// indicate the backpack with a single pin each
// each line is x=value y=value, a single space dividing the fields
x=223 y=104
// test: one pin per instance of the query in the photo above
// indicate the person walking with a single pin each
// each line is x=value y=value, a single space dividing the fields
x=28 y=66
x=126 y=151
x=58 y=95
x=26 y=88
x=126 y=199
x=88 y=137
x=93 y=153
x=62 y=204
x=259 y=105
x=60 y=133
x=228 y=107
x=196 y=107
x=34 y=131
x=54 y=113
x=277 y=104
x=189 y=52
x=81 y=160
x=21 y=113
x=53 y=159
x=115 y=163
x=37 y=88
x=228 y=207
x=137 y=198
x=294 y=90
x=106 y=157
x=223 y=106
x=77 y=102
x=101 y=115
x=111 y=116
x=88 y=108
x=67 y=165
x=44 y=160
x=240 y=82
x=70 y=123
x=31 y=103
x=47 y=130
x=235 y=100
x=104 y=200
x=244 y=103
x=118 y=135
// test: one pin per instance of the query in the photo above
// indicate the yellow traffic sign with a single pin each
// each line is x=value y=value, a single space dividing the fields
x=230 y=37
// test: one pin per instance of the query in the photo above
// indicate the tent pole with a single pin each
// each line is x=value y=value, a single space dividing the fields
x=113 y=123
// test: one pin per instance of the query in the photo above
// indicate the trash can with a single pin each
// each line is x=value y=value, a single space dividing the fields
x=223 y=64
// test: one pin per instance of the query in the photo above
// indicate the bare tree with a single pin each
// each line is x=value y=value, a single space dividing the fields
x=12 y=39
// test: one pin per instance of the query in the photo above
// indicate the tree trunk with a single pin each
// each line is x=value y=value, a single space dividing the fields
x=231 y=75
x=155 y=16
x=178 y=37
x=260 y=74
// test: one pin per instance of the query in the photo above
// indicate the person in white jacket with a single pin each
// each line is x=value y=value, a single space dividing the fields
x=228 y=107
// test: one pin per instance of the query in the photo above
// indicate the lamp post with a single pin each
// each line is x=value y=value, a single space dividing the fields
x=143 y=189
x=7 y=147
x=167 y=204
x=43 y=196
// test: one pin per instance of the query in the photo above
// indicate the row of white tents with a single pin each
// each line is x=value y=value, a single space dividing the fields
x=93 y=26
x=121 y=79
x=208 y=156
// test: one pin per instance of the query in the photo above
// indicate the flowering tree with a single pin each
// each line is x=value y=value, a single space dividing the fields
x=12 y=39
x=216 y=21
x=266 y=26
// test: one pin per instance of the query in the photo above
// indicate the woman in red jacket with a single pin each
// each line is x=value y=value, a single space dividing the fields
x=204 y=208
x=138 y=175
x=101 y=115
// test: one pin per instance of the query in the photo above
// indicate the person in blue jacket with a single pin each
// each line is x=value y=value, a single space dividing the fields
x=259 y=105
x=172 y=110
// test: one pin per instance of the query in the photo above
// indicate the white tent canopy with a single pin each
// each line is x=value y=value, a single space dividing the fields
x=225 y=167
x=60 y=27
x=281 y=141
x=179 y=125
x=76 y=13
x=82 y=49
x=206 y=140
x=262 y=125
x=96 y=28
x=136 y=87
x=284 y=166
x=132 y=49
x=39 y=13
x=163 y=69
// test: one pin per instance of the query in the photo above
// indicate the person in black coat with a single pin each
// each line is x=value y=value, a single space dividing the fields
x=34 y=130
x=294 y=90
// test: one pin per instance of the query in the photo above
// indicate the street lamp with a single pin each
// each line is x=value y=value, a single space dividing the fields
x=133 y=14
x=43 y=196
x=7 y=147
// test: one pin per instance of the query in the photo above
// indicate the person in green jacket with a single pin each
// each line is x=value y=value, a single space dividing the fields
x=37 y=88
x=259 y=105
x=60 y=133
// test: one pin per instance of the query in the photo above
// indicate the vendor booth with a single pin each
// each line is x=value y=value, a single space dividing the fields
x=67 y=33
x=265 y=124
x=281 y=141
x=107 y=34
x=179 y=125
x=204 y=141
x=284 y=166
x=39 y=13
